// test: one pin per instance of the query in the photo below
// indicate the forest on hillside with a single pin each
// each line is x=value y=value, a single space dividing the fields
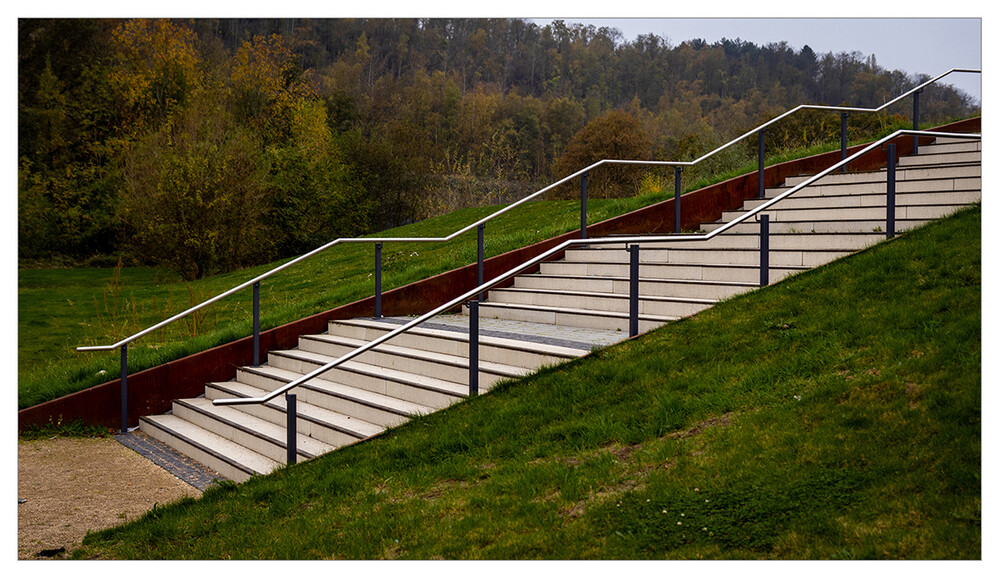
x=206 y=145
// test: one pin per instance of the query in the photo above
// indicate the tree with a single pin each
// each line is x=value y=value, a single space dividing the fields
x=314 y=195
x=615 y=134
x=193 y=195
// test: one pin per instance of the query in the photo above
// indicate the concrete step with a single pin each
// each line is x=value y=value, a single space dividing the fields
x=923 y=191
x=716 y=290
x=448 y=367
x=902 y=174
x=951 y=144
x=225 y=456
x=561 y=316
x=371 y=408
x=671 y=271
x=873 y=198
x=705 y=254
x=429 y=390
x=657 y=251
x=911 y=212
x=334 y=428
x=259 y=435
x=435 y=337
x=670 y=307
x=751 y=227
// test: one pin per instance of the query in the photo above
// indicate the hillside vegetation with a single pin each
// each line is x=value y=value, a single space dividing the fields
x=207 y=145
x=834 y=415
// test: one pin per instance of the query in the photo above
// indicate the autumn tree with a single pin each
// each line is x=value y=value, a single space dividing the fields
x=314 y=196
x=615 y=134
x=193 y=194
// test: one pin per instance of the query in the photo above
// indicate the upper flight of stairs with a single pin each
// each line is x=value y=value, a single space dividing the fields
x=838 y=215
x=560 y=313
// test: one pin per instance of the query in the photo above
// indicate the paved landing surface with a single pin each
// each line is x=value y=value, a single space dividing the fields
x=181 y=466
x=575 y=337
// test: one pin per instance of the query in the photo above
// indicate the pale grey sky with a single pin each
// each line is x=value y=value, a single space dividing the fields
x=928 y=46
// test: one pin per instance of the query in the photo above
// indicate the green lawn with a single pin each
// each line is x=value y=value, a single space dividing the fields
x=835 y=415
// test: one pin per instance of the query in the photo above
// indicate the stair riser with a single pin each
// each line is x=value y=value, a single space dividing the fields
x=194 y=452
x=622 y=287
x=875 y=196
x=617 y=304
x=445 y=371
x=457 y=347
x=565 y=319
x=316 y=396
x=264 y=447
x=667 y=271
x=362 y=380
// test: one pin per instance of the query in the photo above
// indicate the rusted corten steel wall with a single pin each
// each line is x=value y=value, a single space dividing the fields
x=151 y=391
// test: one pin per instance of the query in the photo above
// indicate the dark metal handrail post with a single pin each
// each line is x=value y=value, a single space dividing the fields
x=473 y=348
x=842 y=137
x=480 y=255
x=633 y=291
x=764 y=250
x=761 y=153
x=292 y=444
x=256 y=324
x=676 y=199
x=890 y=201
x=582 y=205
x=378 y=279
x=124 y=388
x=915 y=121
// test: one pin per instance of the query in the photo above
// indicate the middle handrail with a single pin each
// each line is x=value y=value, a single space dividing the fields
x=591 y=241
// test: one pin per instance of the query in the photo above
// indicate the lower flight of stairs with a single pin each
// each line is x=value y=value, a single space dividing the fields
x=560 y=313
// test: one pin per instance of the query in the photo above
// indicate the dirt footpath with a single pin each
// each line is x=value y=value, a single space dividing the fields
x=74 y=485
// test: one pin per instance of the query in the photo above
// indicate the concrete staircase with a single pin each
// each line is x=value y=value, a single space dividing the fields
x=560 y=313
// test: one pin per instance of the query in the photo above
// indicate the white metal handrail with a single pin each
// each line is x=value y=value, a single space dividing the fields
x=510 y=207
x=591 y=241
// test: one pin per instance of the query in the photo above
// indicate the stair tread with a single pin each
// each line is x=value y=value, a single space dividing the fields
x=238 y=456
x=607 y=295
x=259 y=427
x=452 y=333
x=395 y=404
x=421 y=354
x=577 y=311
x=648 y=280
x=350 y=425
x=415 y=379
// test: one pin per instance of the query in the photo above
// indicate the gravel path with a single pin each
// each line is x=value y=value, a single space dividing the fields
x=69 y=486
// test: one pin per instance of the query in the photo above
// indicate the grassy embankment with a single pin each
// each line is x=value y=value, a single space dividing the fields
x=834 y=415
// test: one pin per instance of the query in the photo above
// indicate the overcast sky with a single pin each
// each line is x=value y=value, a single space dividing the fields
x=928 y=46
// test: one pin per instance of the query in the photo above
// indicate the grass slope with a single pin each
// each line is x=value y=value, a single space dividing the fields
x=834 y=415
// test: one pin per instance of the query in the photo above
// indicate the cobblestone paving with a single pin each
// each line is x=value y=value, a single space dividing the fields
x=186 y=469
